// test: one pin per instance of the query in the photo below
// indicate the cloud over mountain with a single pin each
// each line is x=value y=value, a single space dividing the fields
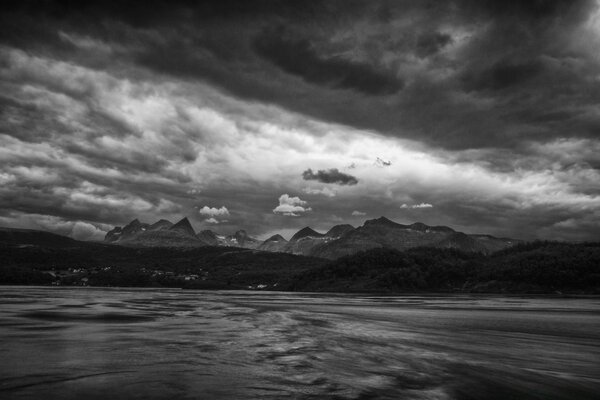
x=291 y=206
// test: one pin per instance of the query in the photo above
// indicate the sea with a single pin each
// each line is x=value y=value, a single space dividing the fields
x=120 y=343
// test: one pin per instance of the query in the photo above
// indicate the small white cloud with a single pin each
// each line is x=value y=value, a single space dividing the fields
x=214 y=212
x=422 y=205
x=358 y=213
x=291 y=206
x=325 y=191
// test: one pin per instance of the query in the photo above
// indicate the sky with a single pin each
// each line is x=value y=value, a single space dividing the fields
x=270 y=116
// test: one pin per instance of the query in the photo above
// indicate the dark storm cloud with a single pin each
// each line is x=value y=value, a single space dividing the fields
x=332 y=175
x=503 y=74
x=525 y=9
x=298 y=57
x=432 y=42
x=503 y=45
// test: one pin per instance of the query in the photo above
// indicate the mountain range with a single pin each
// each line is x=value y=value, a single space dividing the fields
x=42 y=258
x=339 y=241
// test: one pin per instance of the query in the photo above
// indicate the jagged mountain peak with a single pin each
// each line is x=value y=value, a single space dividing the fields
x=118 y=234
x=135 y=222
x=276 y=238
x=160 y=224
x=135 y=226
x=184 y=226
x=306 y=232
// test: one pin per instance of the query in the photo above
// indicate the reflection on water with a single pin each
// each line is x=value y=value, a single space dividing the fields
x=121 y=343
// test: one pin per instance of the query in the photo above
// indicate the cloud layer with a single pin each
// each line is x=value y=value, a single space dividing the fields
x=486 y=110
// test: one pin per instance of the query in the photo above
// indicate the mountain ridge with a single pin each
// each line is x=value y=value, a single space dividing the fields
x=340 y=240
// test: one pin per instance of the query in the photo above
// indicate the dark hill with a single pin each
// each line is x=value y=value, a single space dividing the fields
x=462 y=241
x=530 y=268
x=30 y=237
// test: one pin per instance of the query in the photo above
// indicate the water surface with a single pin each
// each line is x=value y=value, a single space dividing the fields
x=74 y=343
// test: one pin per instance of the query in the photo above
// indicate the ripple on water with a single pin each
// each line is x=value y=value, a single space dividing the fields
x=230 y=346
x=107 y=317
